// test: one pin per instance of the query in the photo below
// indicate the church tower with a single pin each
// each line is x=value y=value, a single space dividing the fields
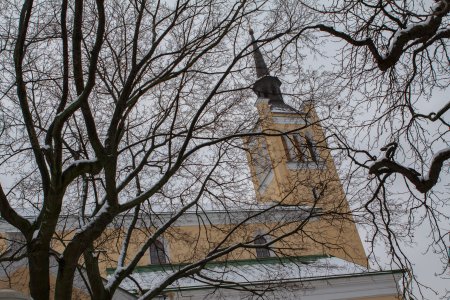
x=292 y=165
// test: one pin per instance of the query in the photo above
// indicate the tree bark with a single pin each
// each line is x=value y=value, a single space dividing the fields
x=39 y=262
x=93 y=272
x=64 y=283
x=80 y=242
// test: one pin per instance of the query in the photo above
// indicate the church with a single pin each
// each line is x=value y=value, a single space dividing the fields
x=297 y=241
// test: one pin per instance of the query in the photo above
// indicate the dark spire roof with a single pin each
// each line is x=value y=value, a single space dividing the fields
x=266 y=86
x=260 y=64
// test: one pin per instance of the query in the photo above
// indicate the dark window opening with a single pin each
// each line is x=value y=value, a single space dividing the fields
x=261 y=252
x=316 y=194
x=157 y=253
x=293 y=147
x=260 y=160
x=311 y=149
x=319 y=191
x=300 y=149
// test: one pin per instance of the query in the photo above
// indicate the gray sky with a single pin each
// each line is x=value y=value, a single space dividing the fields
x=428 y=264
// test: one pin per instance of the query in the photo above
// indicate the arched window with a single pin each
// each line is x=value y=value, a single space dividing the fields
x=261 y=252
x=293 y=147
x=157 y=253
x=300 y=148
x=319 y=191
x=311 y=148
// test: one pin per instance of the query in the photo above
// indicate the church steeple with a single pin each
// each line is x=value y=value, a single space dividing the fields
x=266 y=86
x=291 y=164
x=260 y=64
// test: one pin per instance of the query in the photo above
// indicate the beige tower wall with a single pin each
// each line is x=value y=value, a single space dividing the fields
x=293 y=181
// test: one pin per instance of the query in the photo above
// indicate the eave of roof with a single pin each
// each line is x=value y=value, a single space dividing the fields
x=268 y=271
x=286 y=281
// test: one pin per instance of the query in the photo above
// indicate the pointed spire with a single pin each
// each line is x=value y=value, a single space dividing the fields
x=266 y=86
x=260 y=64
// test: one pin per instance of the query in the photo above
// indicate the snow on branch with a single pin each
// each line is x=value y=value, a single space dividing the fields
x=415 y=33
x=80 y=167
x=422 y=183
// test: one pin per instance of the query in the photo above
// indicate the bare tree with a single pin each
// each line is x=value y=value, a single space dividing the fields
x=390 y=110
x=403 y=40
x=115 y=111
x=105 y=96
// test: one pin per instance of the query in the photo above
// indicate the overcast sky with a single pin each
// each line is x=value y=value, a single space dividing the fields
x=429 y=267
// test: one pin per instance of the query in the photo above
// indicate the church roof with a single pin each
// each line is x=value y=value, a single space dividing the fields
x=266 y=86
x=253 y=272
x=260 y=64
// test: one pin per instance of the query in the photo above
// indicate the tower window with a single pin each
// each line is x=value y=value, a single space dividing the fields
x=157 y=253
x=311 y=149
x=298 y=148
x=260 y=159
x=319 y=191
x=293 y=147
x=316 y=194
x=261 y=252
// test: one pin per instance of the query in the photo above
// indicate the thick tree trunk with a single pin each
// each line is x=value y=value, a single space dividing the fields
x=39 y=263
x=93 y=272
x=64 y=282
x=80 y=243
x=66 y=274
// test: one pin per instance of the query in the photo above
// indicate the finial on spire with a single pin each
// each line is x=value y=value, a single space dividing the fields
x=260 y=64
